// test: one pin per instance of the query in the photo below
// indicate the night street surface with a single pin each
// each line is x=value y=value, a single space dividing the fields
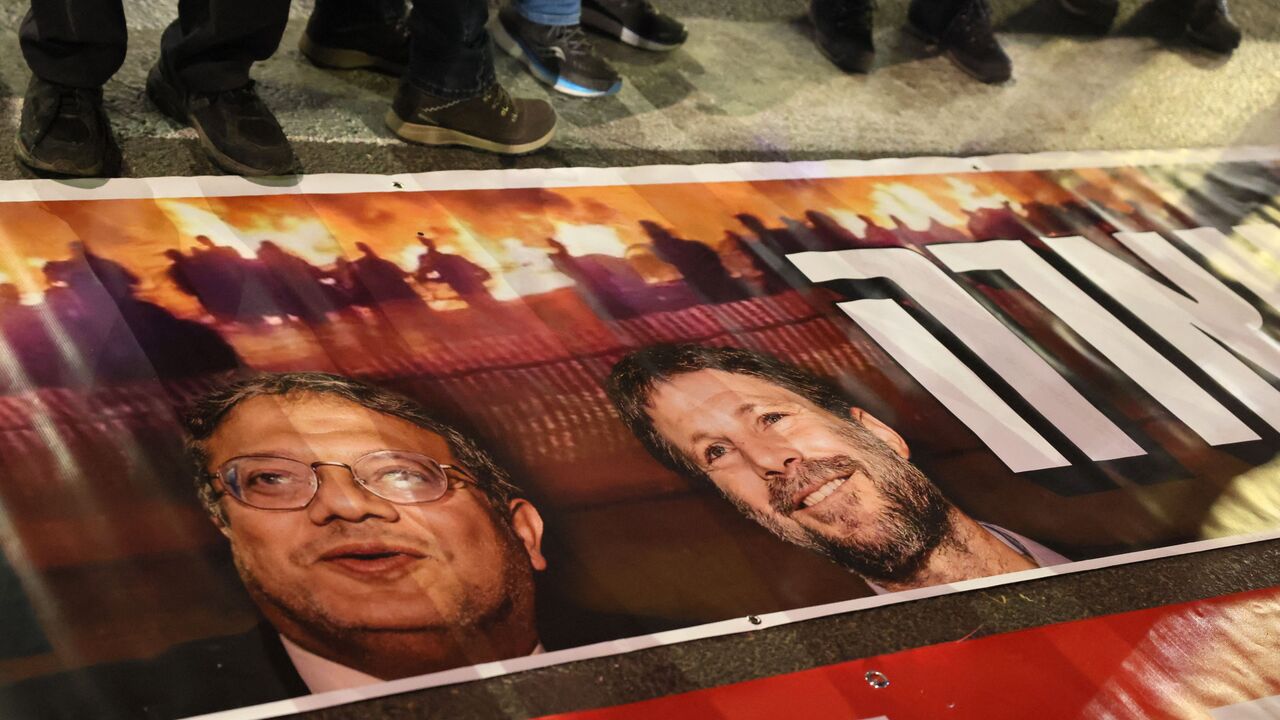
x=751 y=86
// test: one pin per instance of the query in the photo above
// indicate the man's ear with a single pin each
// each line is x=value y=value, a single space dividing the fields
x=527 y=524
x=218 y=516
x=882 y=431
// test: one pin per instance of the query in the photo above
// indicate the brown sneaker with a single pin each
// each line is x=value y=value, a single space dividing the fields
x=491 y=121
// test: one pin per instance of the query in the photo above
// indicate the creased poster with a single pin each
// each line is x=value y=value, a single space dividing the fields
x=265 y=449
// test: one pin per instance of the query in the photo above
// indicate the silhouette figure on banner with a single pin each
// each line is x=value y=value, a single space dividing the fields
x=466 y=278
x=1001 y=223
x=374 y=280
x=114 y=334
x=610 y=285
x=229 y=287
x=700 y=265
x=298 y=286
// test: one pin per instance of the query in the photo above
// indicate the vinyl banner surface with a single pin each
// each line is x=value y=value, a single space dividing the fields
x=270 y=448
x=1214 y=659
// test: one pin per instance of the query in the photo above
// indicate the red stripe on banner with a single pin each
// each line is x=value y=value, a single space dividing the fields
x=1176 y=661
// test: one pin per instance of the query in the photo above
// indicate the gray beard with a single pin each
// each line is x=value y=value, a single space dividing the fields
x=895 y=545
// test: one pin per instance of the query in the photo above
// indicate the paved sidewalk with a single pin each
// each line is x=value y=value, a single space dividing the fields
x=750 y=85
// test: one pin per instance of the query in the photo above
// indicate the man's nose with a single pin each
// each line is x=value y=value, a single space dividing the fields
x=773 y=458
x=340 y=497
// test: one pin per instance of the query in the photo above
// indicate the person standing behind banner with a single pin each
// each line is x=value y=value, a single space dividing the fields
x=546 y=36
x=201 y=80
x=449 y=94
x=959 y=28
x=1208 y=22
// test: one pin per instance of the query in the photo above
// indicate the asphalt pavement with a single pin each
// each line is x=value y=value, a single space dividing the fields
x=751 y=85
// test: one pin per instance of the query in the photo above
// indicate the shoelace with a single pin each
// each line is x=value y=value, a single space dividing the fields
x=572 y=39
x=975 y=18
x=239 y=96
x=497 y=97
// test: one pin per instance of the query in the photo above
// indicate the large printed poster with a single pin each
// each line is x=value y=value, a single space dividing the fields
x=271 y=448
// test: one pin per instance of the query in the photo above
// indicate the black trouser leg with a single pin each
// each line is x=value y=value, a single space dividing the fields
x=450 y=55
x=213 y=43
x=80 y=43
x=342 y=14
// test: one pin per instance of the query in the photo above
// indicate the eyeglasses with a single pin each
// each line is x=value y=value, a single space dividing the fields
x=267 y=482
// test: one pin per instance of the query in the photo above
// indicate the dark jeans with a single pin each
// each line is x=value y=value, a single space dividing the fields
x=450 y=55
x=209 y=48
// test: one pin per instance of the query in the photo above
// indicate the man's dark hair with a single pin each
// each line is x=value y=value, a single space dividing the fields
x=634 y=378
x=207 y=414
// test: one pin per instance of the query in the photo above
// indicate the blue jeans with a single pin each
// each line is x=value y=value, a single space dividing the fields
x=551 y=12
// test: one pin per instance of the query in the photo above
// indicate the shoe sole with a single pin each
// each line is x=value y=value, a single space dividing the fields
x=1203 y=44
x=437 y=136
x=26 y=158
x=165 y=97
x=606 y=25
x=331 y=58
x=934 y=45
x=515 y=49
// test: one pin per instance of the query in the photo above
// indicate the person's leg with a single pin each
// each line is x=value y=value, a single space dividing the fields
x=449 y=55
x=450 y=96
x=202 y=80
x=545 y=36
x=550 y=12
x=213 y=43
x=83 y=51
x=63 y=129
x=353 y=34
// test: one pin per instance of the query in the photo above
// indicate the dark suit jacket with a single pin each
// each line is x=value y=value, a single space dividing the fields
x=198 y=677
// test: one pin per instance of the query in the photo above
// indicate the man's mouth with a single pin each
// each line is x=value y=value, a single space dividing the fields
x=823 y=491
x=371 y=558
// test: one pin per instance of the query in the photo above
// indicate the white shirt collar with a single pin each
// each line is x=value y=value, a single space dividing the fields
x=322 y=674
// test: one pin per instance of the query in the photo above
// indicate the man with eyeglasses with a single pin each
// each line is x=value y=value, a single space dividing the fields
x=377 y=541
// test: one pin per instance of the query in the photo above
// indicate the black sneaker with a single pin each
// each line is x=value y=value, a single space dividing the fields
x=1211 y=27
x=558 y=55
x=842 y=29
x=63 y=131
x=378 y=43
x=235 y=128
x=634 y=22
x=966 y=37
x=491 y=121
x=1098 y=13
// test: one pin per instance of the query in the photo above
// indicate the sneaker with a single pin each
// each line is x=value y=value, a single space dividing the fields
x=63 y=131
x=235 y=128
x=842 y=29
x=491 y=121
x=381 y=46
x=558 y=55
x=634 y=22
x=966 y=38
x=1211 y=27
x=1098 y=13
